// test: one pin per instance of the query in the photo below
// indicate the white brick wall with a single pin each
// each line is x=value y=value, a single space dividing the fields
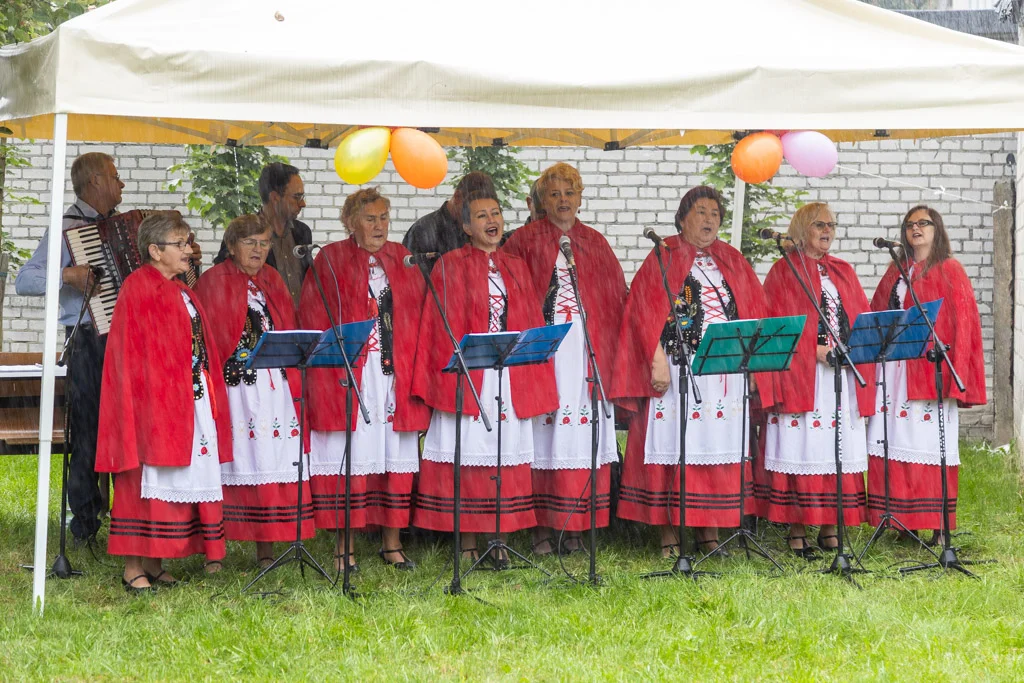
x=625 y=191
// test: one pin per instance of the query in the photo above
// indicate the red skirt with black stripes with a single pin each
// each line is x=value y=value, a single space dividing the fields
x=147 y=527
x=561 y=498
x=810 y=498
x=266 y=512
x=915 y=493
x=435 y=500
x=376 y=500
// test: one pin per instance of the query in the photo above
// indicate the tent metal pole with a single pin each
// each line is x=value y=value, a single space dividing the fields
x=53 y=268
x=739 y=195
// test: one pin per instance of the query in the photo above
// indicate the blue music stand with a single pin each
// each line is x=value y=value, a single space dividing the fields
x=305 y=349
x=497 y=351
x=879 y=338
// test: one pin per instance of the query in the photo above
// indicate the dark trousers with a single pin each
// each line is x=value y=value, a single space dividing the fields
x=85 y=374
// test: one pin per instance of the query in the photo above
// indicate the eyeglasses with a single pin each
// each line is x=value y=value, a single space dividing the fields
x=250 y=242
x=180 y=244
x=116 y=176
x=299 y=196
x=923 y=223
x=820 y=225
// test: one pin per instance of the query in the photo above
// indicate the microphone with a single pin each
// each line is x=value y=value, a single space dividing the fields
x=769 y=234
x=653 y=236
x=301 y=250
x=882 y=243
x=566 y=246
x=425 y=257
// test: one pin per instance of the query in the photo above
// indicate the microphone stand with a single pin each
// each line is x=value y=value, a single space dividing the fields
x=683 y=565
x=842 y=564
x=455 y=587
x=349 y=384
x=938 y=355
x=597 y=394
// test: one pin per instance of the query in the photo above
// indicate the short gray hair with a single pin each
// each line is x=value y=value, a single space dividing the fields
x=156 y=228
x=244 y=226
x=85 y=167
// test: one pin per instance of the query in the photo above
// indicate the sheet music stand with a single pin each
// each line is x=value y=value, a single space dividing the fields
x=746 y=346
x=878 y=338
x=498 y=351
x=303 y=349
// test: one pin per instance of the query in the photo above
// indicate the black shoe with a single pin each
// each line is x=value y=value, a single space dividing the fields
x=805 y=551
x=721 y=553
x=825 y=538
x=154 y=579
x=132 y=589
x=572 y=545
x=405 y=564
x=352 y=568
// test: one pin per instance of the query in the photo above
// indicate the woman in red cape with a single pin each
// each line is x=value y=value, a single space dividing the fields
x=482 y=290
x=798 y=484
x=562 y=439
x=713 y=283
x=911 y=408
x=164 y=426
x=364 y=278
x=245 y=298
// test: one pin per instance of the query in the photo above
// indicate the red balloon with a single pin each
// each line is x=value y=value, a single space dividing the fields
x=757 y=157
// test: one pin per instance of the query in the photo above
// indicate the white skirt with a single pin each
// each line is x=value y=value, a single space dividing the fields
x=376 y=447
x=265 y=432
x=480 y=447
x=913 y=425
x=715 y=427
x=804 y=443
x=562 y=439
x=198 y=482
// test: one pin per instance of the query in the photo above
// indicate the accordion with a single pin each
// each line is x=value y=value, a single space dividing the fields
x=112 y=246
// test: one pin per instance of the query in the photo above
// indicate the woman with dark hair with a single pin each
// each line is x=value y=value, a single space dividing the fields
x=712 y=282
x=800 y=471
x=910 y=407
x=482 y=290
x=562 y=439
x=245 y=297
x=164 y=425
x=363 y=278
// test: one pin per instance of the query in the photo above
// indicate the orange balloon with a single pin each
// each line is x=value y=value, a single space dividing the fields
x=418 y=158
x=756 y=158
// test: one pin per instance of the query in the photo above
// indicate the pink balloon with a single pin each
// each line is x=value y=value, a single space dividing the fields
x=810 y=152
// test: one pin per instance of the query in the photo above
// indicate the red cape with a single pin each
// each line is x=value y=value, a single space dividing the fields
x=223 y=291
x=794 y=388
x=461 y=280
x=647 y=309
x=602 y=284
x=351 y=264
x=146 y=401
x=958 y=325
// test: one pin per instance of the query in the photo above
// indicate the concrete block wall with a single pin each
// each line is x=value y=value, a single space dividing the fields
x=625 y=191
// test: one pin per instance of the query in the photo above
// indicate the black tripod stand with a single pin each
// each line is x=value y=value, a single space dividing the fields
x=939 y=356
x=684 y=563
x=843 y=563
x=498 y=351
x=460 y=367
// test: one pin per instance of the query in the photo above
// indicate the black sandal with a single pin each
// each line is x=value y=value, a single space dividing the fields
x=405 y=564
x=826 y=537
x=673 y=550
x=805 y=551
x=473 y=555
x=550 y=540
x=500 y=563
x=132 y=589
x=578 y=546
x=721 y=553
x=155 y=579
x=352 y=568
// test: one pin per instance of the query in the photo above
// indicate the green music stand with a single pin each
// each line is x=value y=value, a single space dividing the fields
x=743 y=347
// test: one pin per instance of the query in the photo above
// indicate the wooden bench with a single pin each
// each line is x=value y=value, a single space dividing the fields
x=19 y=408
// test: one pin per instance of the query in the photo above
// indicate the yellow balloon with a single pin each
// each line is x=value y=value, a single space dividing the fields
x=362 y=155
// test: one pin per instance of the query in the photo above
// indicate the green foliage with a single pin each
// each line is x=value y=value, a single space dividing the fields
x=511 y=177
x=23 y=20
x=225 y=180
x=11 y=156
x=764 y=205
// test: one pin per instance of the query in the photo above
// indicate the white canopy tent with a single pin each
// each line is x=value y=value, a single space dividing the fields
x=307 y=72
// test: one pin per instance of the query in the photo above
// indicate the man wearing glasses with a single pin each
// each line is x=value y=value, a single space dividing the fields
x=283 y=196
x=97 y=188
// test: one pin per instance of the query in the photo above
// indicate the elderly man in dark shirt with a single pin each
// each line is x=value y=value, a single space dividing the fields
x=283 y=196
x=441 y=230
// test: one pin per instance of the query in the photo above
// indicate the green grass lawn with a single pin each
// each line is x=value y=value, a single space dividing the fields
x=744 y=625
